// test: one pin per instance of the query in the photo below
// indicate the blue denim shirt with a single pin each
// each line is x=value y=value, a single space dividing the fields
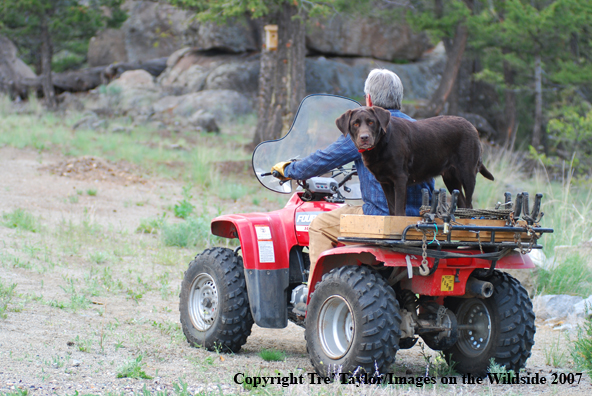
x=342 y=152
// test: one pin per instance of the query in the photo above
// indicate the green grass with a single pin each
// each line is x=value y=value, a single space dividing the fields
x=133 y=369
x=571 y=276
x=143 y=146
x=566 y=204
x=150 y=226
x=6 y=295
x=22 y=220
x=272 y=355
x=581 y=351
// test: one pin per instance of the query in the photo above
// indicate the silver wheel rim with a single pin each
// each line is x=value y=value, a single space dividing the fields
x=475 y=341
x=336 y=327
x=203 y=302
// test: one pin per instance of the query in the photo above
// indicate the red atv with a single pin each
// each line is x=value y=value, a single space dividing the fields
x=441 y=278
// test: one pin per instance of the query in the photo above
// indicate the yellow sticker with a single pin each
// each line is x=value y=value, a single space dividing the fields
x=447 y=283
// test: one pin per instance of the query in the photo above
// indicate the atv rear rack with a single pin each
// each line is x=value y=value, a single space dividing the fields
x=492 y=243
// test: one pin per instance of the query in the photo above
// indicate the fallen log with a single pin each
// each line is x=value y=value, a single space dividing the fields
x=87 y=79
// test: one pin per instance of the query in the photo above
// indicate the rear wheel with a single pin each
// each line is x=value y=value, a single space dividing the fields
x=214 y=305
x=352 y=323
x=500 y=327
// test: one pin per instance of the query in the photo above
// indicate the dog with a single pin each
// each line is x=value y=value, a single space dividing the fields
x=400 y=153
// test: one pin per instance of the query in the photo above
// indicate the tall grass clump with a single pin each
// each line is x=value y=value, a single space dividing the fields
x=21 y=219
x=133 y=369
x=571 y=276
x=507 y=167
x=566 y=203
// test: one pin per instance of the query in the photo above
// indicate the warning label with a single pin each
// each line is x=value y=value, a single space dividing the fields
x=447 y=283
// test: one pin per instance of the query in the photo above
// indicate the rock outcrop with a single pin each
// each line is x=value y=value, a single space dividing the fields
x=12 y=69
x=156 y=29
x=107 y=47
x=342 y=35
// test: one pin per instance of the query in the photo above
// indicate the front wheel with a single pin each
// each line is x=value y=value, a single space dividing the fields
x=353 y=323
x=500 y=327
x=213 y=303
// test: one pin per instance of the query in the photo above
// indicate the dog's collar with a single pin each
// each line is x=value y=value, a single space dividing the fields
x=363 y=150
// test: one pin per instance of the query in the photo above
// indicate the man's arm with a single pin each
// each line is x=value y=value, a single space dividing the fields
x=339 y=153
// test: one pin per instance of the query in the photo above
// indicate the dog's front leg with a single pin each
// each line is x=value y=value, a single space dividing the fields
x=389 y=192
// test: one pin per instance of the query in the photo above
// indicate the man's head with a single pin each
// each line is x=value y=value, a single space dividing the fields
x=384 y=88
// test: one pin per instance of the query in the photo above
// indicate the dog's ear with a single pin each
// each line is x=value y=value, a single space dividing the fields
x=343 y=122
x=383 y=116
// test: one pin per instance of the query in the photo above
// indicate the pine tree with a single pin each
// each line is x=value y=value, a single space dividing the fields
x=42 y=25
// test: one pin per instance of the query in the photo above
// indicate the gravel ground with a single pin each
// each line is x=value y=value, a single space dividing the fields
x=95 y=300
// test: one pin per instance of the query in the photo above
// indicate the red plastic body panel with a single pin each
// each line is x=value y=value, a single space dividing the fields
x=266 y=238
x=431 y=285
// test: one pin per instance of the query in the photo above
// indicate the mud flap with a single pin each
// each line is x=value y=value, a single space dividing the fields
x=268 y=296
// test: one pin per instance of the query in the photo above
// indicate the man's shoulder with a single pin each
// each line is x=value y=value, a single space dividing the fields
x=400 y=114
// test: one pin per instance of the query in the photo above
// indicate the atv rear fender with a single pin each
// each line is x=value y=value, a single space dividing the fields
x=448 y=280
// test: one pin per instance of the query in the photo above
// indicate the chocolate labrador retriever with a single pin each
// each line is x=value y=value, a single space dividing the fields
x=399 y=152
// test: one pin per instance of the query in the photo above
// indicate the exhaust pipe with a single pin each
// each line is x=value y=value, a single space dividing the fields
x=478 y=288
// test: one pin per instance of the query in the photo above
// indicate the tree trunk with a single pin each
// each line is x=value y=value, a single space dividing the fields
x=46 y=55
x=281 y=78
x=509 y=106
x=454 y=54
x=538 y=103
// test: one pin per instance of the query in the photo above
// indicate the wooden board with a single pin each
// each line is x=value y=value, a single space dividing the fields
x=392 y=227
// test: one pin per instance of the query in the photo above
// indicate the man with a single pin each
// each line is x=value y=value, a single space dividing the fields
x=383 y=88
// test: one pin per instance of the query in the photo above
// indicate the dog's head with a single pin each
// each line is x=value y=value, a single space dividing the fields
x=366 y=125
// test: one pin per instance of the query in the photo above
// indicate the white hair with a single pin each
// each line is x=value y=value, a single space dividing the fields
x=385 y=89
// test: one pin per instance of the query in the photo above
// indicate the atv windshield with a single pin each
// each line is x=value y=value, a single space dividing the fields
x=313 y=129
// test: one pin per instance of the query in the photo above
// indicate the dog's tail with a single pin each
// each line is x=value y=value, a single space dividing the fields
x=483 y=170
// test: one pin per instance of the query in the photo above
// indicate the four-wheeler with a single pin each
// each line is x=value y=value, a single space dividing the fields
x=439 y=277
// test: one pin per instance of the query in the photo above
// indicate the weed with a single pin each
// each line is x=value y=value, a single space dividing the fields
x=83 y=345
x=98 y=257
x=582 y=346
x=135 y=295
x=6 y=295
x=77 y=300
x=272 y=355
x=164 y=281
x=56 y=304
x=152 y=225
x=501 y=372
x=92 y=192
x=133 y=369
x=21 y=220
x=570 y=277
x=184 y=208
x=555 y=355
x=73 y=199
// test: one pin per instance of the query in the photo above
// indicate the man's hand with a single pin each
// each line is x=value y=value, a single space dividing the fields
x=278 y=170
